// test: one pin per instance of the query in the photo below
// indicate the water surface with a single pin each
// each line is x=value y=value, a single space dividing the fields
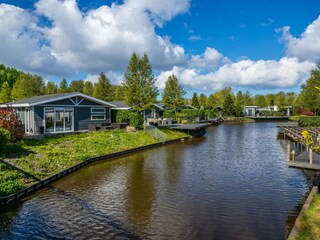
x=231 y=184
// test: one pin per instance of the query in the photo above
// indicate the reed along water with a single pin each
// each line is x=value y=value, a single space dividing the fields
x=231 y=184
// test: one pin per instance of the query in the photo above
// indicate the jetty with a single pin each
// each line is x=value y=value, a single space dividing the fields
x=269 y=118
x=195 y=130
x=300 y=155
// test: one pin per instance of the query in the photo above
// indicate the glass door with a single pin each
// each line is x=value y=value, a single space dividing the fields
x=58 y=119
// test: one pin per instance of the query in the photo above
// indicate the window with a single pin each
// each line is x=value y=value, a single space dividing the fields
x=98 y=113
x=58 y=119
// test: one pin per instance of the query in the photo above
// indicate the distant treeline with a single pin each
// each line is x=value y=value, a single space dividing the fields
x=15 y=85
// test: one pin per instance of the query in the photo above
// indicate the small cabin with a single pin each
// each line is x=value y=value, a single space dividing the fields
x=58 y=113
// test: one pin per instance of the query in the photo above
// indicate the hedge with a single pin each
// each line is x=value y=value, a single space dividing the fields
x=309 y=122
x=133 y=117
x=169 y=114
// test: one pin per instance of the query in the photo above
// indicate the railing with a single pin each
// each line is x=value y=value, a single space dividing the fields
x=156 y=133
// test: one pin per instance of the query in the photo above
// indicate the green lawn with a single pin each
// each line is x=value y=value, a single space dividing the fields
x=44 y=157
x=310 y=222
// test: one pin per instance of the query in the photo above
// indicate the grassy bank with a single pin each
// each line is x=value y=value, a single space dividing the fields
x=309 y=225
x=44 y=157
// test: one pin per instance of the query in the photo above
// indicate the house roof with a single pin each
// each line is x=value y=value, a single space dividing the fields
x=120 y=105
x=38 y=100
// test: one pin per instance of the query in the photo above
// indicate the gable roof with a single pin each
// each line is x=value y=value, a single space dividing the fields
x=120 y=105
x=38 y=100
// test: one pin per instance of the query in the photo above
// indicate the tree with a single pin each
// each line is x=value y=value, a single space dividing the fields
x=63 y=87
x=102 y=89
x=309 y=95
x=212 y=101
x=202 y=100
x=228 y=106
x=195 y=100
x=173 y=93
x=27 y=85
x=51 y=88
x=118 y=93
x=88 y=88
x=5 y=93
x=76 y=86
x=139 y=83
x=247 y=99
x=260 y=100
x=280 y=99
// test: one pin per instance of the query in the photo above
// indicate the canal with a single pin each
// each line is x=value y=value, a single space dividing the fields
x=231 y=184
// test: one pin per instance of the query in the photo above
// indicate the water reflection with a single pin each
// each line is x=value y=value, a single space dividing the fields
x=140 y=192
x=232 y=184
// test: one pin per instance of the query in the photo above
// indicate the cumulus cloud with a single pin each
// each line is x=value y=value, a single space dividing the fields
x=93 y=41
x=305 y=47
x=287 y=72
x=211 y=58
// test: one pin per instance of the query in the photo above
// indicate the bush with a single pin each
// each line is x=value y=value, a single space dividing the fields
x=133 y=117
x=302 y=111
x=9 y=121
x=4 y=138
x=209 y=114
x=271 y=113
x=309 y=122
x=190 y=114
x=169 y=114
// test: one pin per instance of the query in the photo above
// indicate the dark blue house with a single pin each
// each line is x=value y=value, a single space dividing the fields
x=66 y=112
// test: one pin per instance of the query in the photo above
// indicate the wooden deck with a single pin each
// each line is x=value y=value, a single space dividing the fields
x=302 y=158
x=269 y=118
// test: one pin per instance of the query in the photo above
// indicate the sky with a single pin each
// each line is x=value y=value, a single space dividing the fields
x=261 y=46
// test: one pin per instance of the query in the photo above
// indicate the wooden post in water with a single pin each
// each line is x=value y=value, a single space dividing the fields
x=288 y=151
x=293 y=152
x=310 y=155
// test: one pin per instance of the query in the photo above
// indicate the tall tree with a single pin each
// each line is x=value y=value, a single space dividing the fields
x=88 y=88
x=212 y=101
x=102 y=89
x=280 y=99
x=118 y=93
x=229 y=106
x=309 y=95
x=195 y=100
x=260 y=100
x=63 y=86
x=202 y=101
x=5 y=93
x=76 y=86
x=51 y=88
x=139 y=83
x=173 y=93
x=26 y=86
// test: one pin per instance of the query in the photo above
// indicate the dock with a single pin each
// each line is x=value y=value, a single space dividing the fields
x=195 y=130
x=299 y=155
x=269 y=118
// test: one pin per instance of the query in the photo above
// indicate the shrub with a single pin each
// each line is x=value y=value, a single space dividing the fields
x=302 y=111
x=309 y=122
x=4 y=138
x=271 y=113
x=169 y=114
x=9 y=120
x=190 y=114
x=133 y=117
x=211 y=114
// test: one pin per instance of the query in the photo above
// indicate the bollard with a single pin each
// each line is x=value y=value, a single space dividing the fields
x=288 y=151
x=310 y=155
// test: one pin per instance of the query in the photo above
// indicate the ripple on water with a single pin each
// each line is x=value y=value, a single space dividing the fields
x=232 y=184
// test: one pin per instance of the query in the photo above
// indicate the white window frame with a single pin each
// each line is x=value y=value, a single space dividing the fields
x=54 y=109
x=95 y=113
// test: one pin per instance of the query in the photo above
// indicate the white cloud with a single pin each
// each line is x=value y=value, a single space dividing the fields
x=287 y=72
x=211 y=58
x=194 y=38
x=305 y=47
x=98 y=40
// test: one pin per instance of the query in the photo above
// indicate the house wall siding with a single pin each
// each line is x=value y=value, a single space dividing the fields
x=83 y=117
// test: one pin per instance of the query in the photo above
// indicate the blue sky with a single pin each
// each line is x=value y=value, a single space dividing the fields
x=260 y=46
